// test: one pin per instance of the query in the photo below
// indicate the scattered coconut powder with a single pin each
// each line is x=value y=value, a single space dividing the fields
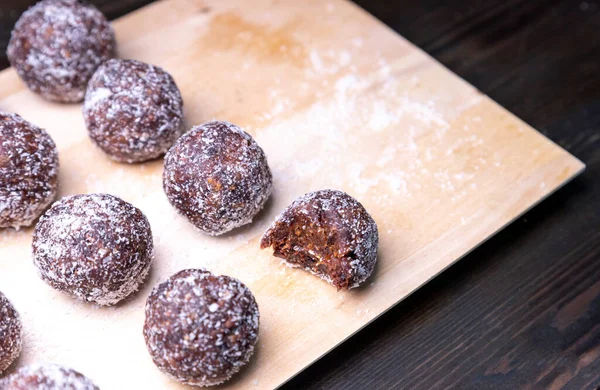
x=371 y=110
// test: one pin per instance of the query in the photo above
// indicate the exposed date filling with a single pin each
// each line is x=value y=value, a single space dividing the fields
x=316 y=249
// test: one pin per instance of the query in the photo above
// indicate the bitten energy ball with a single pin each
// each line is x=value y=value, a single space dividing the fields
x=217 y=176
x=57 y=45
x=28 y=171
x=10 y=333
x=200 y=329
x=133 y=111
x=329 y=234
x=95 y=247
x=47 y=377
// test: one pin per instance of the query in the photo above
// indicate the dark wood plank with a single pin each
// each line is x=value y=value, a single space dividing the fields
x=523 y=310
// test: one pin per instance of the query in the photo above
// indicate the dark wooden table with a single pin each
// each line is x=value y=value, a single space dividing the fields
x=523 y=310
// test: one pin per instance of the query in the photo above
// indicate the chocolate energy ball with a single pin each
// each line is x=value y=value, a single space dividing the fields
x=47 y=377
x=133 y=111
x=200 y=329
x=57 y=45
x=217 y=176
x=328 y=233
x=10 y=333
x=95 y=247
x=28 y=171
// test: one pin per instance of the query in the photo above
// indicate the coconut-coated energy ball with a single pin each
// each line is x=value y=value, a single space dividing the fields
x=328 y=233
x=10 y=333
x=200 y=329
x=28 y=171
x=217 y=176
x=133 y=110
x=95 y=247
x=57 y=45
x=47 y=377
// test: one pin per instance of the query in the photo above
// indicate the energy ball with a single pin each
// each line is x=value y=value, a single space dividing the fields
x=328 y=233
x=57 y=45
x=28 y=171
x=95 y=247
x=47 y=377
x=133 y=111
x=10 y=333
x=200 y=329
x=217 y=176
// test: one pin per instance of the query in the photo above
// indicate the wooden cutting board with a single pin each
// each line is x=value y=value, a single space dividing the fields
x=337 y=100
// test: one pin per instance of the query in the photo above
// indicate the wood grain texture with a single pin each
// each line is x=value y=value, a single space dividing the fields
x=384 y=371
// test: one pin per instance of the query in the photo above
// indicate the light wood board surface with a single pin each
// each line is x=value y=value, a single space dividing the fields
x=336 y=100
